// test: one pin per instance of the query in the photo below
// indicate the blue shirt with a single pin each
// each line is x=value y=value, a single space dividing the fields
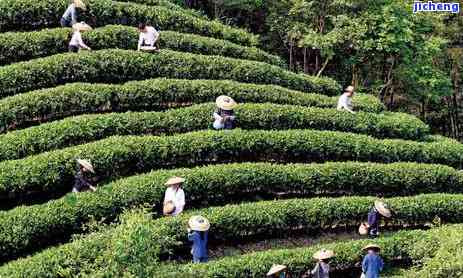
x=199 y=248
x=373 y=218
x=372 y=265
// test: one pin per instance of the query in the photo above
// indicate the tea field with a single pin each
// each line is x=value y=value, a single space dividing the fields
x=294 y=168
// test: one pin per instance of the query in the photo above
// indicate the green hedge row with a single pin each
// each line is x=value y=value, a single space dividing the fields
x=446 y=262
x=406 y=245
x=84 y=129
x=114 y=66
x=156 y=94
x=16 y=47
x=139 y=241
x=28 y=229
x=31 y=15
x=119 y=156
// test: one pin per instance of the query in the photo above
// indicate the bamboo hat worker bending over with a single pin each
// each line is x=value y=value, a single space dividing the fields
x=76 y=42
x=198 y=227
x=224 y=117
x=377 y=211
x=82 y=181
x=149 y=38
x=174 y=199
x=71 y=15
x=345 y=101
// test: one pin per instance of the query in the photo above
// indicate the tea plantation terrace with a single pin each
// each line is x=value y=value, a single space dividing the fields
x=295 y=166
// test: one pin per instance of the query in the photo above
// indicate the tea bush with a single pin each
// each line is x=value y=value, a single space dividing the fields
x=16 y=47
x=155 y=94
x=37 y=226
x=123 y=155
x=88 y=128
x=18 y=15
x=116 y=66
x=237 y=222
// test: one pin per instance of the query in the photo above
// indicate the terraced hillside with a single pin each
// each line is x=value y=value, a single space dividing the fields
x=295 y=176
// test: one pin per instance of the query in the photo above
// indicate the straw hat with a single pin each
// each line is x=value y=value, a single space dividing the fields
x=81 y=26
x=363 y=229
x=225 y=103
x=199 y=223
x=323 y=254
x=371 y=246
x=349 y=89
x=169 y=208
x=382 y=208
x=86 y=164
x=174 y=180
x=276 y=268
x=80 y=4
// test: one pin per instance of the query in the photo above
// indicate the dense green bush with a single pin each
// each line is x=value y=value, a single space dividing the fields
x=83 y=129
x=15 y=47
x=156 y=94
x=122 y=155
x=127 y=243
x=115 y=66
x=400 y=246
x=31 y=15
x=37 y=226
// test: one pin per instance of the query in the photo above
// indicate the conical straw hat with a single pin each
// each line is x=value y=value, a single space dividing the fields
x=275 y=269
x=199 y=223
x=381 y=207
x=349 y=89
x=371 y=246
x=174 y=180
x=225 y=103
x=323 y=254
x=86 y=164
x=81 y=26
x=80 y=4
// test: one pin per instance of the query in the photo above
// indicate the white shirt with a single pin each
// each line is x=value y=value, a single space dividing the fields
x=345 y=102
x=76 y=39
x=149 y=37
x=177 y=197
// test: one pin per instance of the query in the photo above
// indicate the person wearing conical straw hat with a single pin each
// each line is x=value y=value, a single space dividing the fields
x=224 y=117
x=76 y=42
x=322 y=268
x=198 y=227
x=277 y=271
x=81 y=179
x=372 y=263
x=378 y=210
x=174 y=198
x=71 y=15
x=345 y=100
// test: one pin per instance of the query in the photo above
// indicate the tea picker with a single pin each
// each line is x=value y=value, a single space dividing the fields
x=224 y=117
x=198 y=227
x=81 y=179
x=174 y=198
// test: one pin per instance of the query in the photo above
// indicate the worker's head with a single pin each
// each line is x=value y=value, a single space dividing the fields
x=142 y=27
x=349 y=91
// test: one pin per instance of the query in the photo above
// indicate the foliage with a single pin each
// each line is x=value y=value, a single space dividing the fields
x=79 y=130
x=37 y=226
x=21 y=46
x=237 y=222
x=123 y=155
x=299 y=260
x=115 y=66
x=29 y=15
x=154 y=94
